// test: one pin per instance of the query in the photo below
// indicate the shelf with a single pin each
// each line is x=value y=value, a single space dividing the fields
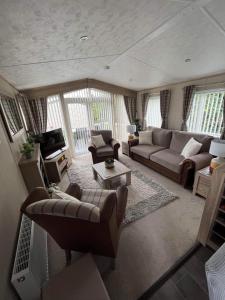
x=220 y=221
x=219 y=235
x=222 y=210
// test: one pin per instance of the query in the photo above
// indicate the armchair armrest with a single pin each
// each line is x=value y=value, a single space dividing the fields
x=108 y=206
x=36 y=195
x=92 y=148
x=199 y=161
x=115 y=144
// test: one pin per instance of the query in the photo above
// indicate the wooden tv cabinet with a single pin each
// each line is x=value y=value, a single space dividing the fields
x=56 y=166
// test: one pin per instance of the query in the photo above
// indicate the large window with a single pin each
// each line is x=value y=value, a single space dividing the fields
x=94 y=109
x=153 y=115
x=206 y=114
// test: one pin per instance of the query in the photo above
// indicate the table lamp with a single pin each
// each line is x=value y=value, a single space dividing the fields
x=131 y=129
x=217 y=148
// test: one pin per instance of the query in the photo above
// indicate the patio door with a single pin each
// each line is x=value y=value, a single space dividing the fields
x=88 y=109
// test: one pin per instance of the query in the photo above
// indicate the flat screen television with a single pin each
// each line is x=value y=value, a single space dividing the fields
x=51 y=141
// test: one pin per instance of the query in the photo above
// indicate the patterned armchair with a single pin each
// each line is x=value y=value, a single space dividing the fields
x=84 y=220
x=110 y=150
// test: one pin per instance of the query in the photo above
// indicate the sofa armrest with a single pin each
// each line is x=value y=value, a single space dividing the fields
x=133 y=142
x=38 y=193
x=115 y=144
x=200 y=160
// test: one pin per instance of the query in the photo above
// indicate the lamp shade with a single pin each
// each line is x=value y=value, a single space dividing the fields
x=217 y=147
x=131 y=129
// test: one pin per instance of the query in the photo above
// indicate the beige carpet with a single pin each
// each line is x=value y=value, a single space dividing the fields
x=149 y=246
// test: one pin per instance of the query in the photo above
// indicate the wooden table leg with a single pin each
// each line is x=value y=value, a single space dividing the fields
x=128 y=178
x=95 y=174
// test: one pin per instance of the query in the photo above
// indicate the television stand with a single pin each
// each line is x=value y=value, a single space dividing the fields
x=54 y=154
x=57 y=165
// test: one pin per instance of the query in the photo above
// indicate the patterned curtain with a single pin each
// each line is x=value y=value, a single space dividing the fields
x=145 y=100
x=188 y=94
x=35 y=113
x=223 y=131
x=165 y=96
x=12 y=114
x=131 y=107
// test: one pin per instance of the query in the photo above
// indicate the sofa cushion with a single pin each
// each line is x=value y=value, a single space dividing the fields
x=161 y=137
x=169 y=159
x=145 y=150
x=180 y=139
x=105 y=151
x=145 y=137
x=191 y=148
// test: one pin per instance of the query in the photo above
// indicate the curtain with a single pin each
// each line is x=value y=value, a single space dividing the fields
x=165 y=96
x=131 y=107
x=223 y=130
x=12 y=114
x=145 y=100
x=35 y=113
x=188 y=95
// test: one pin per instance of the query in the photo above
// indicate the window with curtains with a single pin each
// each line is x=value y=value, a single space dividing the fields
x=153 y=115
x=54 y=114
x=95 y=109
x=206 y=115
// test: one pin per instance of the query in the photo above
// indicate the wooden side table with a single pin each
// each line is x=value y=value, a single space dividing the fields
x=202 y=182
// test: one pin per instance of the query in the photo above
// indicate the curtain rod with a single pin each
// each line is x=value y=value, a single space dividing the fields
x=210 y=84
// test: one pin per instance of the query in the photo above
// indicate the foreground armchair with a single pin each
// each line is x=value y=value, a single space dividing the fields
x=84 y=220
x=109 y=150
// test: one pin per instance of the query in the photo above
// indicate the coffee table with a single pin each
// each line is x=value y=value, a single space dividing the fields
x=108 y=174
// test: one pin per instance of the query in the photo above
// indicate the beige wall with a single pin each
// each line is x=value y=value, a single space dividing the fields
x=176 y=105
x=12 y=194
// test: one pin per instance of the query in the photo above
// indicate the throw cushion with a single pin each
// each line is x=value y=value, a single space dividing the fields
x=191 y=148
x=98 y=141
x=145 y=137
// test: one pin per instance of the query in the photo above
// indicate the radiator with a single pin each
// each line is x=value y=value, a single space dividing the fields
x=30 y=269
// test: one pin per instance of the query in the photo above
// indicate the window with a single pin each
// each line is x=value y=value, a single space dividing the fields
x=95 y=109
x=206 y=114
x=153 y=115
x=54 y=116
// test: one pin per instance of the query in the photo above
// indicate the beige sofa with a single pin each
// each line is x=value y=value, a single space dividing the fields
x=165 y=157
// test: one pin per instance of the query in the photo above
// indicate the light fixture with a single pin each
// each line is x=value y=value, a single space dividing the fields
x=217 y=148
x=84 y=38
x=187 y=60
x=107 y=67
x=131 y=130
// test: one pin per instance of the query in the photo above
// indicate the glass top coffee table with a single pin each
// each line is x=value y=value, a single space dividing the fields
x=108 y=174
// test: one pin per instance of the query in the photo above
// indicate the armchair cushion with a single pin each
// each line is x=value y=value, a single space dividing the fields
x=105 y=151
x=106 y=134
x=98 y=141
x=66 y=208
x=95 y=196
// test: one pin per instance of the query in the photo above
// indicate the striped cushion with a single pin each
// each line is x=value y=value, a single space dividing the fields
x=95 y=196
x=72 y=208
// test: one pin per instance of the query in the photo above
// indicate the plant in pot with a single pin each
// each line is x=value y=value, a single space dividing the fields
x=109 y=163
x=138 y=126
x=27 y=149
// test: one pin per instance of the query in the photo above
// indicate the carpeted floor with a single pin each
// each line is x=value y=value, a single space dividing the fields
x=144 y=194
x=149 y=246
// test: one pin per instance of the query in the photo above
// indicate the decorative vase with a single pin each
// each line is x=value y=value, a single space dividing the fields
x=109 y=163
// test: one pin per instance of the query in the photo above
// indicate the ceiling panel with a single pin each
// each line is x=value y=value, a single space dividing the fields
x=29 y=76
x=192 y=37
x=134 y=74
x=33 y=31
x=217 y=10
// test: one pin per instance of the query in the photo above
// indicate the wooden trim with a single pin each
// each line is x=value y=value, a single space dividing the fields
x=77 y=85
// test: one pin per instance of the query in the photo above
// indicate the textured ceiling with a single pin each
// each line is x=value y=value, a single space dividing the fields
x=144 y=42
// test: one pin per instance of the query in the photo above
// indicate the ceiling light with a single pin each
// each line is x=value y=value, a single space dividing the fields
x=84 y=38
x=107 y=67
x=187 y=60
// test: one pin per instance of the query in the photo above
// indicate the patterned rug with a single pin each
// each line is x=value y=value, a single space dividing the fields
x=144 y=194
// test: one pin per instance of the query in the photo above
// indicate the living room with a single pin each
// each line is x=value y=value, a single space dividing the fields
x=116 y=110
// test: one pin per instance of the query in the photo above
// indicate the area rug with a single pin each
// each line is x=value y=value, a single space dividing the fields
x=144 y=194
